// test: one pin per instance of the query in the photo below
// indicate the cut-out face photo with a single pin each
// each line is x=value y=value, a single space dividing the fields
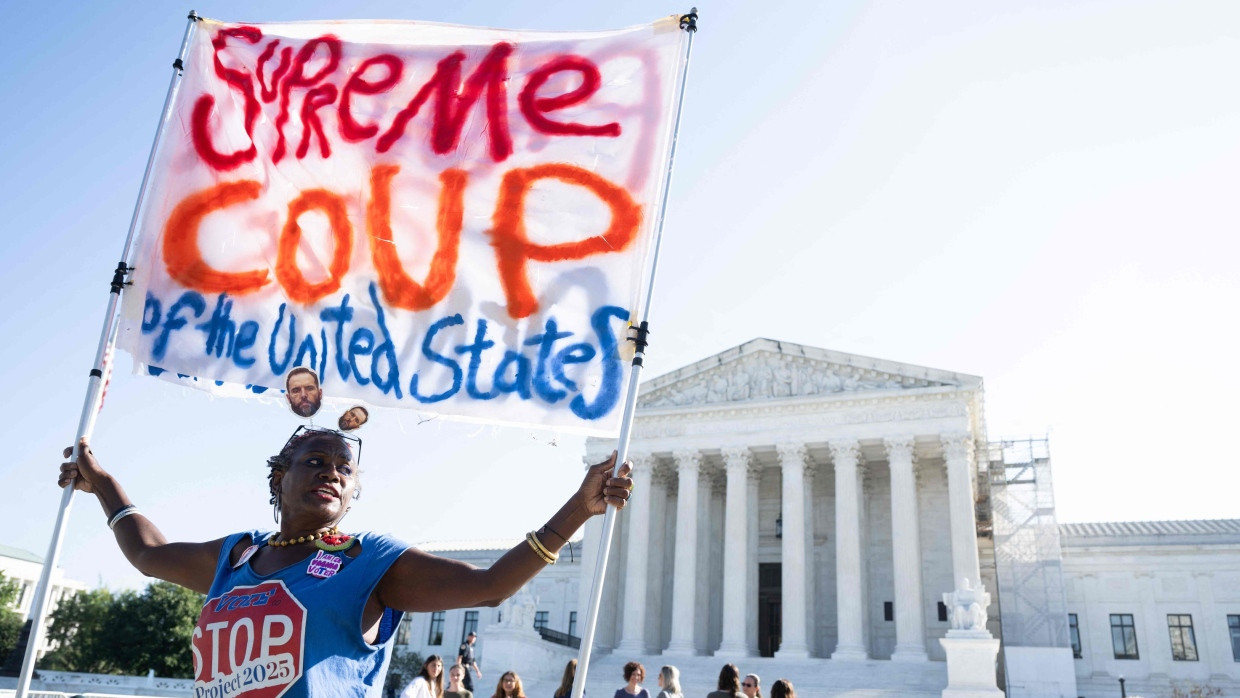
x=301 y=387
x=353 y=418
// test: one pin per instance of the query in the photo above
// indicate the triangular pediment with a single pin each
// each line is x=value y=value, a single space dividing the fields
x=765 y=369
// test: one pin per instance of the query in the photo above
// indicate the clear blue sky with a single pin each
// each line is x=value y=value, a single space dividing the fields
x=1042 y=193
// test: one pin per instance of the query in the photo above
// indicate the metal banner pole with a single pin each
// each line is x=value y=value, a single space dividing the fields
x=90 y=406
x=689 y=24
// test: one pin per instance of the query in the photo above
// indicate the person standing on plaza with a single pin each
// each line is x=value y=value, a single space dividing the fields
x=634 y=674
x=783 y=689
x=429 y=681
x=669 y=682
x=509 y=686
x=566 y=682
x=465 y=657
x=729 y=683
x=751 y=686
x=456 y=688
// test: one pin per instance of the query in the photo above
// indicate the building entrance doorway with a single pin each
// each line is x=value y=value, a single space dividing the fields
x=770 y=590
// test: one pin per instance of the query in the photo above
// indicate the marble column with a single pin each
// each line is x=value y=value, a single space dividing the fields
x=592 y=533
x=684 y=579
x=752 y=482
x=811 y=564
x=906 y=552
x=794 y=643
x=735 y=553
x=633 y=625
x=662 y=541
x=848 y=564
x=958 y=454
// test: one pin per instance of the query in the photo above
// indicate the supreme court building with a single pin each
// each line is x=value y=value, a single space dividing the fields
x=802 y=503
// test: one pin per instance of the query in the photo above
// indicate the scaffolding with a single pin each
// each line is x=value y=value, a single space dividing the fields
x=1032 y=608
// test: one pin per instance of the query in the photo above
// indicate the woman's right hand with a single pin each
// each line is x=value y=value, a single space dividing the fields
x=85 y=473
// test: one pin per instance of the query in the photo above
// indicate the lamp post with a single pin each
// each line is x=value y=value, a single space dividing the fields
x=1122 y=691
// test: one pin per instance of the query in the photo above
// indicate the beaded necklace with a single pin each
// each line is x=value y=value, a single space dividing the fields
x=301 y=539
x=329 y=539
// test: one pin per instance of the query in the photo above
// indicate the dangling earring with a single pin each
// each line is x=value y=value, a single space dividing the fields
x=275 y=509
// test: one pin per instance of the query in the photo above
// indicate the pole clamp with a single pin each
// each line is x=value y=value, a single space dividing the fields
x=639 y=336
x=118 y=277
x=689 y=22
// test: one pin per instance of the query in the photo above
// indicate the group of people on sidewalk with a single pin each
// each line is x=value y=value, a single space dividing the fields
x=730 y=684
x=429 y=683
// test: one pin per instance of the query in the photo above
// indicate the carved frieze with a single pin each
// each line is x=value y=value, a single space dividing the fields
x=770 y=376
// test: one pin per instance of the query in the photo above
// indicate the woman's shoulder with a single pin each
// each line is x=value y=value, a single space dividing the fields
x=382 y=541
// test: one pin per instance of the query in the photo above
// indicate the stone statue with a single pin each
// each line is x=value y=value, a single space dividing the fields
x=968 y=606
x=740 y=386
x=518 y=611
x=783 y=381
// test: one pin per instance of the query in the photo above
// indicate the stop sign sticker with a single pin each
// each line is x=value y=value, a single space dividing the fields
x=249 y=641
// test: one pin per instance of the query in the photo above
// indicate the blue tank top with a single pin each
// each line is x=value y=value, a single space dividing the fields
x=298 y=631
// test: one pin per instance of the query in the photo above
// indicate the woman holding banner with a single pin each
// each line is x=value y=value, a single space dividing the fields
x=308 y=610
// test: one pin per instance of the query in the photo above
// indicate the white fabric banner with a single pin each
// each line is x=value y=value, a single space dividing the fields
x=452 y=219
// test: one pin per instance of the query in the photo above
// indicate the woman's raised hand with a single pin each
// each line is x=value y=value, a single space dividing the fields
x=600 y=489
x=85 y=473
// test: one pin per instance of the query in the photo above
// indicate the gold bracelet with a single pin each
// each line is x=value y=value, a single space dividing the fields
x=546 y=551
x=539 y=549
x=549 y=556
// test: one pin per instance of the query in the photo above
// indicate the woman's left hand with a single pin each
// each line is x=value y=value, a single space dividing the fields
x=600 y=489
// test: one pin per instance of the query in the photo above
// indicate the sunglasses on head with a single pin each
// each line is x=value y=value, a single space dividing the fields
x=305 y=431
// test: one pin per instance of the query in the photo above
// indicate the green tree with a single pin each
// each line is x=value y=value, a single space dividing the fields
x=10 y=620
x=79 y=627
x=126 y=633
x=158 y=627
